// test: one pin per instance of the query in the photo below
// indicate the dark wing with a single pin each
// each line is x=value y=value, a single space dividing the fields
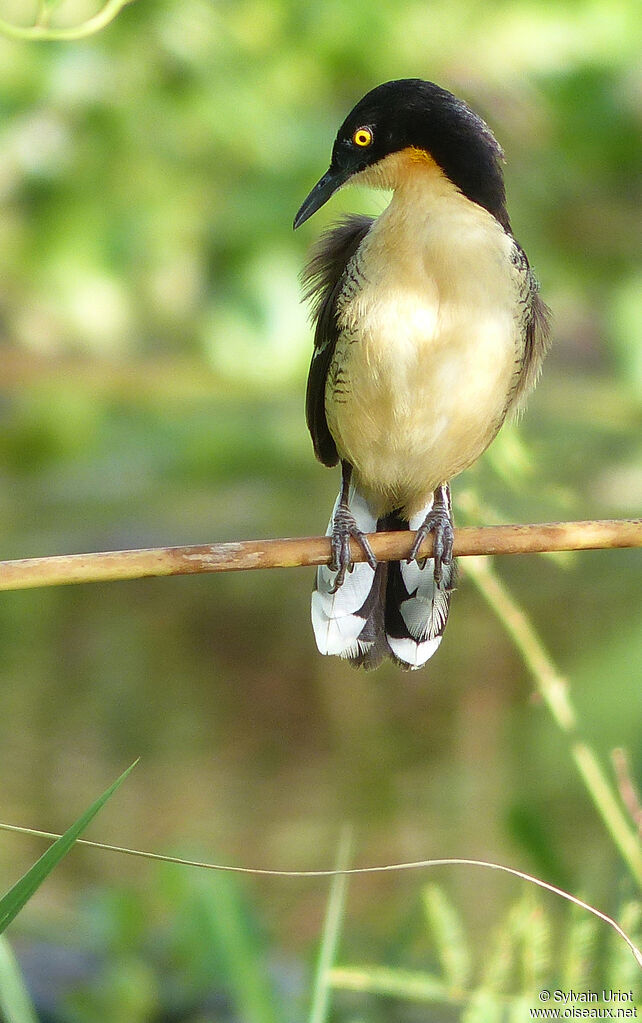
x=536 y=329
x=322 y=283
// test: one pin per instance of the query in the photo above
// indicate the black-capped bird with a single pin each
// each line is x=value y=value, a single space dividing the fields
x=429 y=332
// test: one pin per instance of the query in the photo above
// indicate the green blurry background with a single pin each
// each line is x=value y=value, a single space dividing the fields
x=153 y=365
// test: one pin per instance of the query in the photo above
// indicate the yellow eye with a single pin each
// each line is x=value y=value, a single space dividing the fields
x=362 y=137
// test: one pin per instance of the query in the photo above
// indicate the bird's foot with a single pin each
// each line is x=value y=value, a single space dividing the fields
x=344 y=526
x=438 y=521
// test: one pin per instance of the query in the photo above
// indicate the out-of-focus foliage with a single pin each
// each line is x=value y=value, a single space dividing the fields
x=13 y=901
x=187 y=947
x=518 y=970
x=151 y=389
x=149 y=175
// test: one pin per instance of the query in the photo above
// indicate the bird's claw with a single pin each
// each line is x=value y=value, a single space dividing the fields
x=439 y=523
x=344 y=526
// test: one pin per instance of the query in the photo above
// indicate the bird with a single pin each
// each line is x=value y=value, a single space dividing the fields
x=429 y=331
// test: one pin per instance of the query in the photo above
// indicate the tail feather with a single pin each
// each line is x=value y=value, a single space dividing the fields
x=349 y=622
x=372 y=647
x=397 y=610
x=416 y=612
x=416 y=605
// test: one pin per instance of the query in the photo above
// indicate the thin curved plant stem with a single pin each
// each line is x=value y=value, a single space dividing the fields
x=554 y=690
x=333 y=872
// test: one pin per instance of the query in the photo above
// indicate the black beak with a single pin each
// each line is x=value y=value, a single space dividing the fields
x=318 y=197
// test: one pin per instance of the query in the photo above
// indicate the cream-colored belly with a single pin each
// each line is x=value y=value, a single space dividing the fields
x=425 y=362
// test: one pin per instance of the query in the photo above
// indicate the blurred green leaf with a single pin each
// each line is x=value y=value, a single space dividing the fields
x=381 y=980
x=581 y=949
x=623 y=971
x=15 y=1004
x=20 y=893
x=334 y=915
x=484 y=1007
x=448 y=933
x=220 y=940
x=536 y=946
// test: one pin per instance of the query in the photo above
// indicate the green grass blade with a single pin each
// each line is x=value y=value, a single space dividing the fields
x=331 y=933
x=449 y=936
x=15 y=1004
x=394 y=983
x=582 y=946
x=229 y=929
x=501 y=955
x=218 y=932
x=21 y=892
x=536 y=945
x=623 y=971
x=484 y=1007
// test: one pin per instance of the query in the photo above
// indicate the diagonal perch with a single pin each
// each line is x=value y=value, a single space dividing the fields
x=109 y=566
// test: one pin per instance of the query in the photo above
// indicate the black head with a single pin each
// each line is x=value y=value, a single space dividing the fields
x=411 y=113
